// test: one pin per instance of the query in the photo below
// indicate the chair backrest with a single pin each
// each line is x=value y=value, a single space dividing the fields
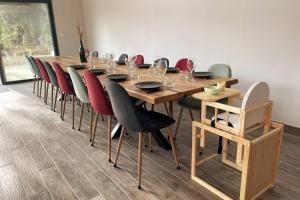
x=95 y=54
x=35 y=67
x=123 y=106
x=51 y=73
x=221 y=70
x=79 y=86
x=62 y=79
x=123 y=57
x=182 y=64
x=42 y=70
x=139 y=59
x=256 y=95
x=163 y=59
x=30 y=65
x=97 y=95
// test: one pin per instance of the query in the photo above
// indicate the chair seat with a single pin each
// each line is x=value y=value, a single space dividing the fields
x=154 y=121
x=234 y=119
x=190 y=103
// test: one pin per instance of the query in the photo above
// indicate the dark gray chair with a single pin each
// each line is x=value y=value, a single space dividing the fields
x=123 y=57
x=54 y=84
x=37 y=76
x=95 y=54
x=163 y=59
x=137 y=120
x=190 y=103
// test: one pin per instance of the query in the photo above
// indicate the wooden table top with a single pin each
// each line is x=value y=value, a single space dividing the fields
x=182 y=87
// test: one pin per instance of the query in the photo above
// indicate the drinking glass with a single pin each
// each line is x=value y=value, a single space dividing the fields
x=191 y=65
x=162 y=68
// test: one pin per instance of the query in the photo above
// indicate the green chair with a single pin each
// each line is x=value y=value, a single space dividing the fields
x=190 y=103
x=82 y=95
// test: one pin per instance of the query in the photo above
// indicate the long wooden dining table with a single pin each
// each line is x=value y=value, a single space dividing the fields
x=182 y=87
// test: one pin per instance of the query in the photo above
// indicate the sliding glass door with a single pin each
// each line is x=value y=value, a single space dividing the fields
x=26 y=28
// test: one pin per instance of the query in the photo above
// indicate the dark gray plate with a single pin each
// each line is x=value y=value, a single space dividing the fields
x=143 y=65
x=172 y=70
x=148 y=85
x=97 y=71
x=117 y=77
x=77 y=67
x=120 y=62
x=202 y=74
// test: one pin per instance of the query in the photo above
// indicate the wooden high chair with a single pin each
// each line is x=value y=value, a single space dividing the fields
x=256 y=158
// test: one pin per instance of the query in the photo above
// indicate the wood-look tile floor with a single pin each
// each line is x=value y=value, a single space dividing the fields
x=41 y=157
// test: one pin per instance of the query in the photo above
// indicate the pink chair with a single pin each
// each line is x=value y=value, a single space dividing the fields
x=100 y=103
x=139 y=59
x=45 y=78
x=182 y=64
x=66 y=89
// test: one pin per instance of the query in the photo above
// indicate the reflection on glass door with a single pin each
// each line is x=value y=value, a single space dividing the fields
x=25 y=29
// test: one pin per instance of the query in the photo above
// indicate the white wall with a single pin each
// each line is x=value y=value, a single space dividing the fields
x=258 y=39
x=66 y=13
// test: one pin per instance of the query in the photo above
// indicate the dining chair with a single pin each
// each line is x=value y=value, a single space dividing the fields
x=162 y=59
x=123 y=57
x=139 y=59
x=95 y=54
x=82 y=94
x=54 y=84
x=37 y=75
x=182 y=64
x=192 y=104
x=100 y=103
x=66 y=88
x=45 y=78
x=141 y=121
x=32 y=71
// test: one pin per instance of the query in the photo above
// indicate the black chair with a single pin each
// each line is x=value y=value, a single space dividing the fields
x=95 y=54
x=37 y=76
x=137 y=120
x=163 y=59
x=123 y=57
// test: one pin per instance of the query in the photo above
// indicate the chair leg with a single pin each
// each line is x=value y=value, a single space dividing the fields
x=46 y=97
x=119 y=145
x=41 y=87
x=55 y=100
x=52 y=96
x=64 y=109
x=166 y=108
x=178 y=122
x=61 y=105
x=173 y=146
x=91 y=123
x=150 y=141
x=102 y=117
x=144 y=142
x=109 y=138
x=37 y=87
x=140 y=151
x=81 y=114
x=73 y=111
x=191 y=115
x=95 y=128
x=34 y=80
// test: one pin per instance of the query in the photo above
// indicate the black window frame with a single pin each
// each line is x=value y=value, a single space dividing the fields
x=53 y=34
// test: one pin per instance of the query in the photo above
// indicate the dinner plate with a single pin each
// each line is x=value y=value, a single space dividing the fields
x=172 y=70
x=78 y=67
x=117 y=77
x=202 y=74
x=148 y=85
x=120 y=62
x=97 y=71
x=143 y=66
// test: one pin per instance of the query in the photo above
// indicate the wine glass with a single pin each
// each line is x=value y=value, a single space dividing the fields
x=153 y=67
x=191 y=65
x=162 y=67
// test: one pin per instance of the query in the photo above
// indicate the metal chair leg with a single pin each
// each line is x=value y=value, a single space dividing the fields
x=34 y=80
x=37 y=87
x=81 y=114
x=73 y=111
x=150 y=141
x=52 y=96
x=64 y=109
x=46 y=93
x=166 y=108
x=91 y=123
x=173 y=146
x=109 y=138
x=55 y=100
x=178 y=122
x=119 y=145
x=140 y=151
x=95 y=128
x=41 y=87
x=61 y=105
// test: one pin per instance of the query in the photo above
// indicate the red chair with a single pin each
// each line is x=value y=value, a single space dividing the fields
x=139 y=59
x=45 y=78
x=66 y=89
x=100 y=103
x=182 y=64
